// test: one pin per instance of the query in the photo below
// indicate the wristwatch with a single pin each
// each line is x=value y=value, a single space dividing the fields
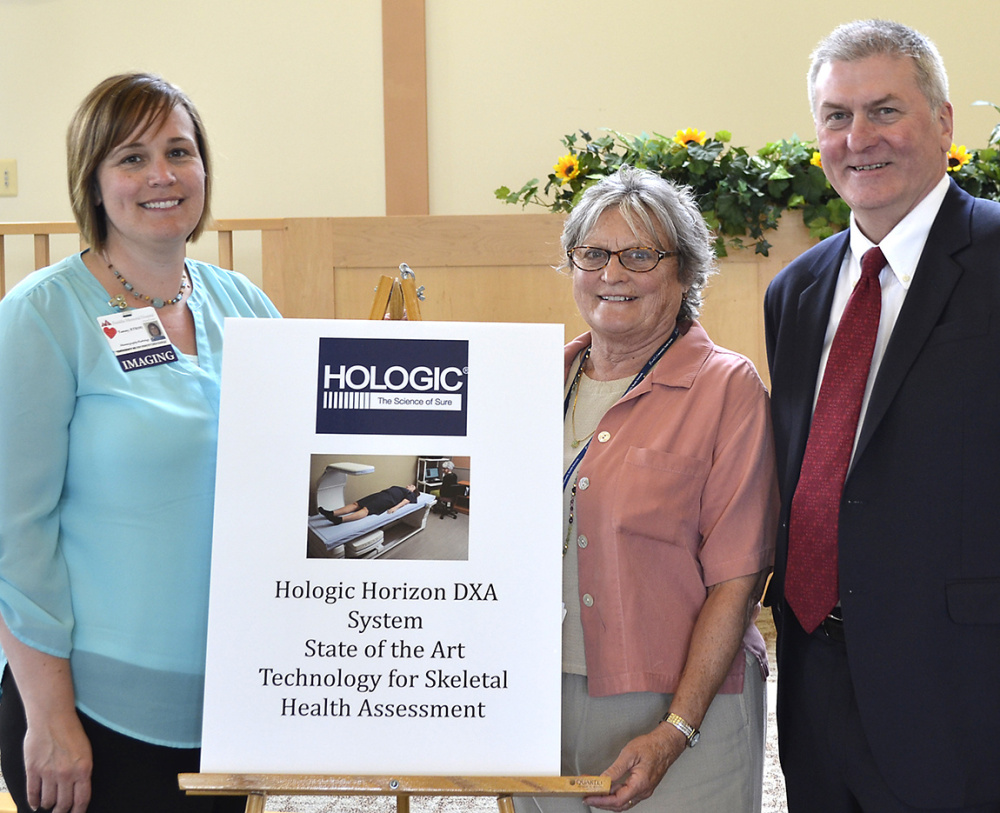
x=690 y=732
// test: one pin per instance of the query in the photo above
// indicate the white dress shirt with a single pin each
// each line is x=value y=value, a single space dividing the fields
x=902 y=248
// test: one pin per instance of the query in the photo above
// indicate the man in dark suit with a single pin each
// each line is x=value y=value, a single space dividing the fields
x=889 y=686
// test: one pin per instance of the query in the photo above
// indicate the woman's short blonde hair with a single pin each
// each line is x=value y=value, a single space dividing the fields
x=111 y=112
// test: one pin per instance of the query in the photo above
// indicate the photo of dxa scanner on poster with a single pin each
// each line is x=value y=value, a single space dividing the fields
x=387 y=507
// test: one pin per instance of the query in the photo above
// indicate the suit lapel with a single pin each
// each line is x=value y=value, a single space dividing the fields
x=933 y=282
x=813 y=317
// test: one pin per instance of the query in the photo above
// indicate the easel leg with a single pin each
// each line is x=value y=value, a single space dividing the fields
x=410 y=299
x=255 y=802
x=396 y=300
x=381 y=302
x=403 y=804
x=506 y=804
x=396 y=306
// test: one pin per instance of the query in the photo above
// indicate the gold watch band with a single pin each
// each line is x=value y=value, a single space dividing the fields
x=690 y=733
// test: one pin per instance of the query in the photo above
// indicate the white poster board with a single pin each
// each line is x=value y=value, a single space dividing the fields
x=429 y=656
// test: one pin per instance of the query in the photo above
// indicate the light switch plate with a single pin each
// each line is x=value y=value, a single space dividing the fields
x=8 y=178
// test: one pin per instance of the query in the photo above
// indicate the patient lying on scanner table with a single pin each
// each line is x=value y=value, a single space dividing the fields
x=387 y=501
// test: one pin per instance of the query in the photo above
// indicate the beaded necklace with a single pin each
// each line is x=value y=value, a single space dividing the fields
x=118 y=301
x=576 y=385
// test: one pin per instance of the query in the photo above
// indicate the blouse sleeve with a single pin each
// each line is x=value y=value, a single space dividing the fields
x=37 y=397
x=740 y=502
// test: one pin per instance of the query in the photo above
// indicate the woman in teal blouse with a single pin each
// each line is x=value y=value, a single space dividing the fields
x=108 y=441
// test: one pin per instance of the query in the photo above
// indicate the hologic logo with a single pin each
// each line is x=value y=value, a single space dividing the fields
x=396 y=378
x=392 y=386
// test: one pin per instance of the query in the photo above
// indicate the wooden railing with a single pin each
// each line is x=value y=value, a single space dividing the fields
x=42 y=236
x=41 y=232
x=491 y=268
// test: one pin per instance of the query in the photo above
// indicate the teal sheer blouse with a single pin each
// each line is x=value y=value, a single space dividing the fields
x=106 y=496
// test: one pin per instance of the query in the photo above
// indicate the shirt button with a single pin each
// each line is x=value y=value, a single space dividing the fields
x=604 y=437
x=584 y=483
x=581 y=541
x=588 y=600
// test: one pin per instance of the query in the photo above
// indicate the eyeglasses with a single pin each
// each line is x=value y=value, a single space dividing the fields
x=638 y=258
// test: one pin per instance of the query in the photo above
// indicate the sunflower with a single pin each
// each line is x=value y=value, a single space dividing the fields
x=685 y=137
x=958 y=157
x=816 y=160
x=567 y=168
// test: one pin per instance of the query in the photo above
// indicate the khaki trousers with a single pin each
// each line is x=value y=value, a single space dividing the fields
x=723 y=772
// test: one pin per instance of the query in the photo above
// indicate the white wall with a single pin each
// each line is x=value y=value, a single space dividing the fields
x=292 y=91
x=507 y=79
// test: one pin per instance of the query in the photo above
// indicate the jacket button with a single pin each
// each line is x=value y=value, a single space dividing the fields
x=604 y=437
x=588 y=600
x=584 y=483
x=581 y=541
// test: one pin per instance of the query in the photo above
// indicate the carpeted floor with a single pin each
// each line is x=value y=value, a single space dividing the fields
x=774 y=781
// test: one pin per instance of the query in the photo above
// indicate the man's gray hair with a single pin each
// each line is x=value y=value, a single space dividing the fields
x=861 y=39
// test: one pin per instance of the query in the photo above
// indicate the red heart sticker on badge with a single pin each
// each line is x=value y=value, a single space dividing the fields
x=110 y=332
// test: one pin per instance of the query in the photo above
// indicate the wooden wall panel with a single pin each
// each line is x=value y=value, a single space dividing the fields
x=472 y=294
x=457 y=240
x=298 y=268
x=493 y=268
x=732 y=312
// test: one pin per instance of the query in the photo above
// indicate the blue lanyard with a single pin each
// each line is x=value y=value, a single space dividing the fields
x=649 y=365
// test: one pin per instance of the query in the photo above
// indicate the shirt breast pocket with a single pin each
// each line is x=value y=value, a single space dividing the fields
x=658 y=496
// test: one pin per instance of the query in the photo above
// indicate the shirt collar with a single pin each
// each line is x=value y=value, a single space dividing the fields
x=903 y=245
x=679 y=366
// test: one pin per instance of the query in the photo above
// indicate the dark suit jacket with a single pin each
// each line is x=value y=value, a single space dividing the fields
x=919 y=537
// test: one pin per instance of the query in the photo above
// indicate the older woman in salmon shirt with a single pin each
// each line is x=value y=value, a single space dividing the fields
x=670 y=509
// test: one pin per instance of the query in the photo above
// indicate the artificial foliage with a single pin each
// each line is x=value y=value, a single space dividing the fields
x=742 y=194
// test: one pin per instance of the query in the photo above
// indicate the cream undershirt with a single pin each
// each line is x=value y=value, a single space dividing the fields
x=595 y=399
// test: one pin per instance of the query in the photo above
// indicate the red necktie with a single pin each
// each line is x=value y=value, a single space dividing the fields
x=811 y=576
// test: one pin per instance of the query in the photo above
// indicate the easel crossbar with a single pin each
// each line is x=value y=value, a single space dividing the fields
x=337 y=785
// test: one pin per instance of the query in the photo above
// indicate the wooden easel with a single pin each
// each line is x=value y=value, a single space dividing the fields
x=395 y=298
x=257 y=787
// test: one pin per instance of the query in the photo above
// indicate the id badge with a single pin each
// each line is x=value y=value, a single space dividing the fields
x=137 y=339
